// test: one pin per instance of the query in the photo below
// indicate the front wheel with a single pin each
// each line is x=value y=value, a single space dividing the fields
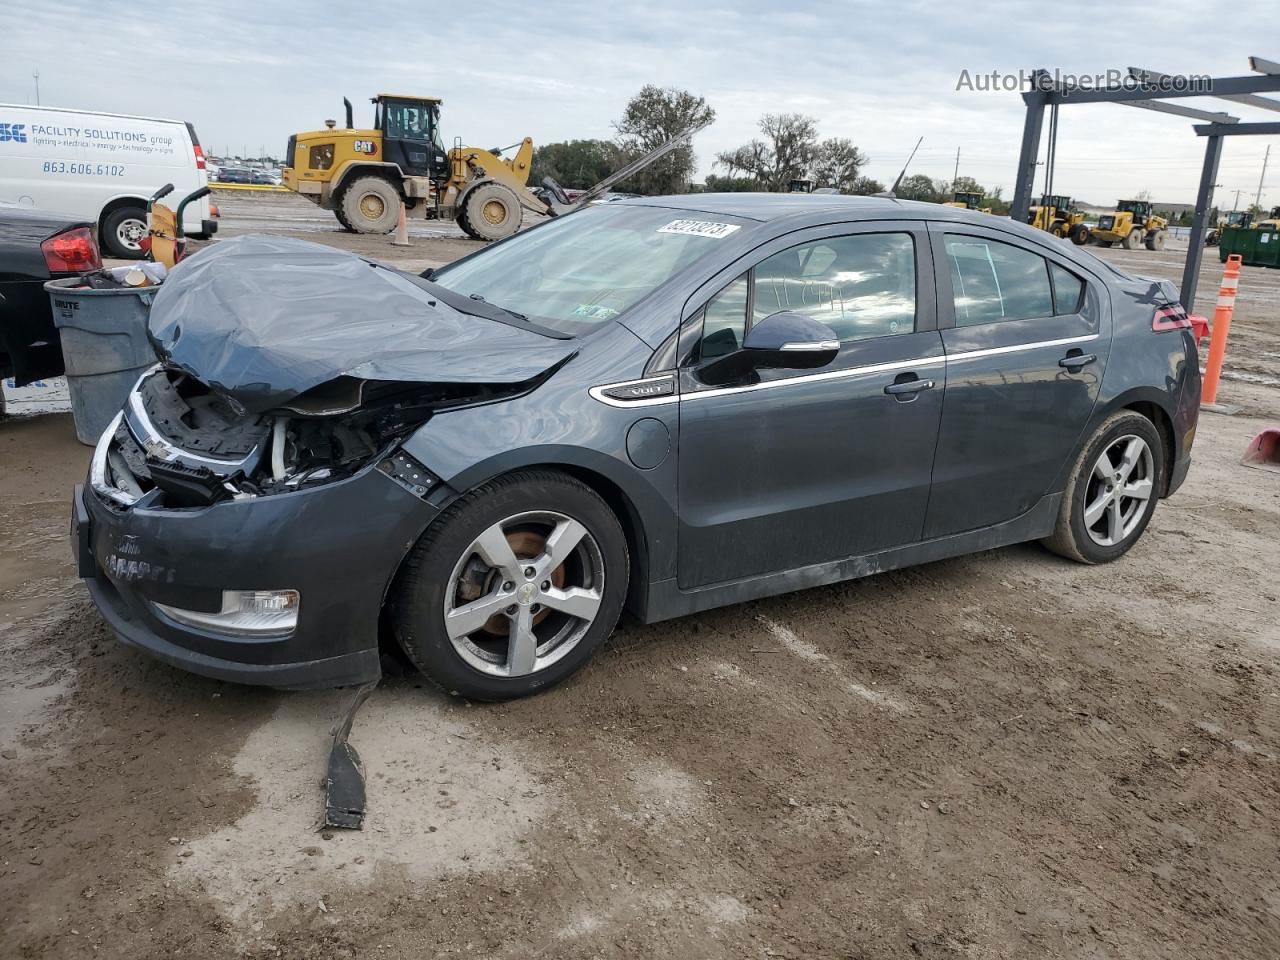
x=1155 y=239
x=1079 y=234
x=513 y=588
x=1112 y=492
x=490 y=212
x=1133 y=240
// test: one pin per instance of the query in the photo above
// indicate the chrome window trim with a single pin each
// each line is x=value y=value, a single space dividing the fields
x=153 y=442
x=598 y=393
x=881 y=368
x=1016 y=347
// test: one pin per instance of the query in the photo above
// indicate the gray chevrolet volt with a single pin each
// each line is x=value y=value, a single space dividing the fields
x=660 y=405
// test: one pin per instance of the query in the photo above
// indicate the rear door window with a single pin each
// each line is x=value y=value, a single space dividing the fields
x=1068 y=290
x=993 y=281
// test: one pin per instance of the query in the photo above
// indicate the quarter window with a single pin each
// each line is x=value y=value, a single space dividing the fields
x=725 y=320
x=1068 y=289
x=861 y=286
x=993 y=281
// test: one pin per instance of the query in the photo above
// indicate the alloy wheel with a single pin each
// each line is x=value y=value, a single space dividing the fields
x=1121 y=483
x=524 y=594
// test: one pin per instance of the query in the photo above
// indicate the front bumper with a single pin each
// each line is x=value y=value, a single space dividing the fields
x=339 y=545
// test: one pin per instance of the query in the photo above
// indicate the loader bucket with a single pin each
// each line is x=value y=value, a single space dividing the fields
x=1264 y=449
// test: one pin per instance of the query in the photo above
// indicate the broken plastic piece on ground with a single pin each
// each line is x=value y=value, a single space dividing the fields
x=1264 y=449
x=344 y=797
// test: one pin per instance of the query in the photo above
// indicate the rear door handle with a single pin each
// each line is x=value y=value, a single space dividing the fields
x=909 y=386
x=1077 y=362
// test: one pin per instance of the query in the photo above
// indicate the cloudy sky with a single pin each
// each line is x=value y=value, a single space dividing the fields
x=881 y=74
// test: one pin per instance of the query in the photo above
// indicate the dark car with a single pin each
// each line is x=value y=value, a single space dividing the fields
x=235 y=175
x=662 y=404
x=36 y=247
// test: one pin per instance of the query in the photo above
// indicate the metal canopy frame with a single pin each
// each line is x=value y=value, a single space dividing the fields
x=1244 y=90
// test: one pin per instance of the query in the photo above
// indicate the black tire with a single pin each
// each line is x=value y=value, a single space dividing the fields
x=1155 y=240
x=490 y=212
x=118 y=226
x=342 y=219
x=1132 y=239
x=419 y=601
x=1079 y=234
x=370 y=205
x=1072 y=538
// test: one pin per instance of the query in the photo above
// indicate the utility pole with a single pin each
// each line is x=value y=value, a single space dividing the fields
x=35 y=75
x=1257 y=200
x=956 y=176
x=1236 y=206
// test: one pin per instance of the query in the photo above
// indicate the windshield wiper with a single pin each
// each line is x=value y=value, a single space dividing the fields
x=498 y=306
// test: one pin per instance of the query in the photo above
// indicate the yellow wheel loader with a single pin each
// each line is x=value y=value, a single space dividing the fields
x=1056 y=214
x=1132 y=223
x=967 y=201
x=1271 y=223
x=364 y=174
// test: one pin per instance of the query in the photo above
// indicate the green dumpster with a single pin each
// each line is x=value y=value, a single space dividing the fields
x=1257 y=248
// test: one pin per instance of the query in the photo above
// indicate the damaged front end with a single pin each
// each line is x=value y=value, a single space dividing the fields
x=178 y=444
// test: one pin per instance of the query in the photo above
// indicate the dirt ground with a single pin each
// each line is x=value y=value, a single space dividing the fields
x=1005 y=755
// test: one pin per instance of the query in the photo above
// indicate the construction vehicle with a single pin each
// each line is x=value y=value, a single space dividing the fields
x=967 y=201
x=1132 y=223
x=1056 y=214
x=1272 y=222
x=364 y=174
x=1236 y=218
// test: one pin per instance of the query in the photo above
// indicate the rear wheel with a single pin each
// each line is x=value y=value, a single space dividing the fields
x=1155 y=239
x=1112 y=492
x=370 y=205
x=490 y=212
x=513 y=588
x=122 y=232
x=1133 y=239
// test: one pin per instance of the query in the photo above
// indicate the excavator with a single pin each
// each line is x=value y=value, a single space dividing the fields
x=363 y=174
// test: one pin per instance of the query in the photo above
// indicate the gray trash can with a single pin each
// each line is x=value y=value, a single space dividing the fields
x=105 y=346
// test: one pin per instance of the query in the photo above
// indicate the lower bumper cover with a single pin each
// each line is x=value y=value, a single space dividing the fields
x=339 y=545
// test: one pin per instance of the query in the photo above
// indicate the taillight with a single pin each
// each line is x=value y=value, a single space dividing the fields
x=1170 y=318
x=199 y=157
x=73 y=251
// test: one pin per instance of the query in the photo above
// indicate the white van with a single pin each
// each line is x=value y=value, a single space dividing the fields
x=101 y=167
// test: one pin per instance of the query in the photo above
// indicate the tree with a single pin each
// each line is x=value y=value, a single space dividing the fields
x=787 y=152
x=966 y=185
x=865 y=187
x=652 y=117
x=730 y=184
x=577 y=164
x=1143 y=196
x=836 y=163
x=919 y=187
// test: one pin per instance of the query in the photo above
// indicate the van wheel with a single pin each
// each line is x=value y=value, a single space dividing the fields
x=370 y=205
x=513 y=588
x=122 y=232
x=1112 y=492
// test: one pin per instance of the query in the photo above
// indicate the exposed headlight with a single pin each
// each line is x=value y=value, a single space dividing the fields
x=244 y=613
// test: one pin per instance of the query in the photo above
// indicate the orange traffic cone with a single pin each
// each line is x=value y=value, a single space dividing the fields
x=1221 y=324
x=401 y=237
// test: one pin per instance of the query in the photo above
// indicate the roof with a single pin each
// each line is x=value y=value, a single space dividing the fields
x=772 y=206
x=408 y=96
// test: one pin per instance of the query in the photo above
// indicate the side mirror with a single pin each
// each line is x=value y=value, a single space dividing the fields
x=790 y=341
x=781 y=341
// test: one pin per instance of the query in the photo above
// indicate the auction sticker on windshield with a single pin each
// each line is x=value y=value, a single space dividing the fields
x=700 y=228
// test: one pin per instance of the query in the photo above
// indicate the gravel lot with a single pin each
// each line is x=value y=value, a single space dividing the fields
x=1003 y=755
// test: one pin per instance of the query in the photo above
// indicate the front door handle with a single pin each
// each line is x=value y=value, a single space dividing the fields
x=908 y=387
x=1075 y=362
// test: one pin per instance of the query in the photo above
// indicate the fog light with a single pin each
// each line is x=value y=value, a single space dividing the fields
x=244 y=613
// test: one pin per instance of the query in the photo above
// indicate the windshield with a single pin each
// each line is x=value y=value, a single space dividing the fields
x=578 y=272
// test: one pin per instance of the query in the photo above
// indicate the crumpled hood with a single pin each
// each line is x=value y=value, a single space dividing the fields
x=262 y=319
